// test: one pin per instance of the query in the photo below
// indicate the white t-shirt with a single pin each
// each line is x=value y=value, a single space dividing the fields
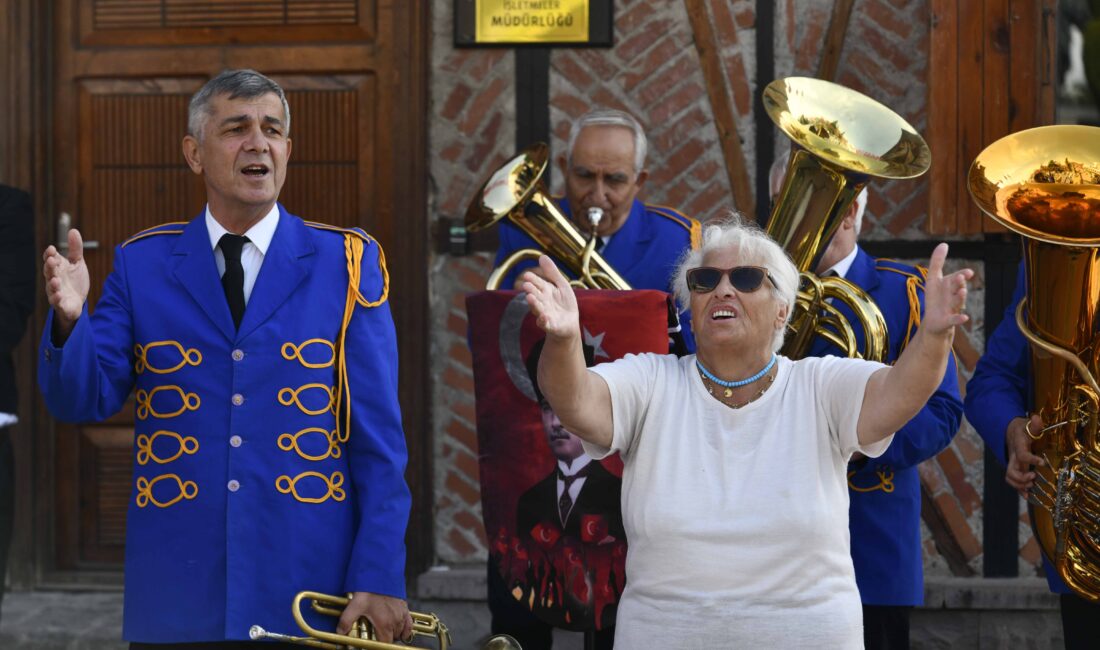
x=737 y=519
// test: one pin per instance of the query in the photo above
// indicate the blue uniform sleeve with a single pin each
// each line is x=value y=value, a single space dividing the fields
x=997 y=393
x=89 y=377
x=512 y=239
x=376 y=443
x=932 y=428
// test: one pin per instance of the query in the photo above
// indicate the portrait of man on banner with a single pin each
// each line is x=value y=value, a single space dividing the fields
x=552 y=514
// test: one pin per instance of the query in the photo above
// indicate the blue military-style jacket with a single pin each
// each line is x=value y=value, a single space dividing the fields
x=644 y=251
x=252 y=479
x=884 y=492
x=999 y=391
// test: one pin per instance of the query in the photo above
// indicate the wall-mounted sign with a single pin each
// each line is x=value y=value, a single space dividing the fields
x=533 y=22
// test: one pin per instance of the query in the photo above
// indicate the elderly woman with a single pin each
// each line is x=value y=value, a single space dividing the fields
x=734 y=494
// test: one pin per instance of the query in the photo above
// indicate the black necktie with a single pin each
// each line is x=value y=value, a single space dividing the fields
x=565 y=503
x=599 y=244
x=233 y=278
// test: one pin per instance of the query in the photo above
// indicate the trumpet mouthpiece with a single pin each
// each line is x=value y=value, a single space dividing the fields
x=256 y=632
x=595 y=216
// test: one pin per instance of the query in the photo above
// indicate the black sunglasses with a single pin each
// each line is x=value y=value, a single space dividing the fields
x=745 y=279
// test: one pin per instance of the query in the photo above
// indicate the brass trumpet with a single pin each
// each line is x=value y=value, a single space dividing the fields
x=842 y=138
x=515 y=191
x=362 y=633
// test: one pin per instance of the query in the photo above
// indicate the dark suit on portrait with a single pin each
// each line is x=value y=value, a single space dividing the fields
x=600 y=495
x=17 y=278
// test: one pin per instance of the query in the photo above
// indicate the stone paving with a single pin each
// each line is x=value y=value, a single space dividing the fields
x=958 y=613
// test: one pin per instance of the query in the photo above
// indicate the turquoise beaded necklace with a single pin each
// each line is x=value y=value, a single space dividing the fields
x=734 y=384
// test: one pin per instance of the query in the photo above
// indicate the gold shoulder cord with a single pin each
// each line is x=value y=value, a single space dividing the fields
x=353 y=250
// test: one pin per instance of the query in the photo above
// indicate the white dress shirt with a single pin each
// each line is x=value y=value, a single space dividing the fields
x=252 y=255
x=841 y=268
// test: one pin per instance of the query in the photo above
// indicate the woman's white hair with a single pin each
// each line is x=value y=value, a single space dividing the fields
x=753 y=247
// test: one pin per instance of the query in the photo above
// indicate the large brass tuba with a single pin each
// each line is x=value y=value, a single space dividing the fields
x=841 y=139
x=361 y=634
x=1044 y=184
x=515 y=191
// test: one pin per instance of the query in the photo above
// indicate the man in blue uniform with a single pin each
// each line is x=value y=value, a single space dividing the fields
x=997 y=407
x=604 y=168
x=269 y=454
x=884 y=492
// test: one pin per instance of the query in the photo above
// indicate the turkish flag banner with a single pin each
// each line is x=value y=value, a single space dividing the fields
x=552 y=513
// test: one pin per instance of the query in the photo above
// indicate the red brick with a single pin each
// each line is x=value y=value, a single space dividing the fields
x=884 y=48
x=875 y=81
x=456 y=101
x=598 y=61
x=888 y=19
x=673 y=133
x=456 y=324
x=459 y=487
x=661 y=84
x=605 y=98
x=930 y=477
x=480 y=67
x=470 y=278
x=686 y=156
x=572 y=70
x=460 y=544
x=465 y=411
x=1030 y=552
x=455 y=198
x=710 y=202
x=456 y=60
x=461 y=433
x=633 y=46
x=971 y=453
x=451 y=152
x=481 y=104
x=468 y=522
x=706 y=170
x=809 y=48
x=487 y=142
x=458 y=380
x=722 y=19
x=746 y=18
x=956 y=523
x=956 y=477
x=738 y=80
x=460 y=352
x=790 y=23
x=466 y=463
x=908 y=214
x=685 y=95
x=572 y=105
x=631 y=19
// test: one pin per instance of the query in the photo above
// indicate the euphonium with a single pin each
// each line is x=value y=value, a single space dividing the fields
x=1044 y=184
x=361 y=634
x=515 y=191
x=841 y=139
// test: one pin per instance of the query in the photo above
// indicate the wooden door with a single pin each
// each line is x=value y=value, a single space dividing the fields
x=353 y=72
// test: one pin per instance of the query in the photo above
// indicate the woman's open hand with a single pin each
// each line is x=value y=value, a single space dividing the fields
x=552 y=300
x=944 y=295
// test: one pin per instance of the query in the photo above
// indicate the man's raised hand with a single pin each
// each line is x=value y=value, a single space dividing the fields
x=67 y=282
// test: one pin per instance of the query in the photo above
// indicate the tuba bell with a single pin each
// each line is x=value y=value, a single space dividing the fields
x=841 y=138
x=362 y=634
x=516 y=191
x=1044 y=184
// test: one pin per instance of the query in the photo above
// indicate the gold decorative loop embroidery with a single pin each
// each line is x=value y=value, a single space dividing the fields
x=289 y=396
x=190 y=356
x=288 y=485
x=188 y=402
x=187 y=490
x=188 y=445
x=293 y=352
x=885 y=482
x=289 y=441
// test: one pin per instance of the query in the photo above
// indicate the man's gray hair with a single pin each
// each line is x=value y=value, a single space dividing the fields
x=237 y=84
x=752 y=247
x=611 y=117
x=778 y=174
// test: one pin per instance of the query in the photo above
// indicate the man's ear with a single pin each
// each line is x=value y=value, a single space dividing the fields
x=849 y=220
x=642 y=176
x=191 y=153
x=563 y=165
x=288 y=143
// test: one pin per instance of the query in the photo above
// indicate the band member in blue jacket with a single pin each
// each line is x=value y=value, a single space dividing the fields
x=884 y=492
x=997 y=399
x=268 y=450
x=604 y=168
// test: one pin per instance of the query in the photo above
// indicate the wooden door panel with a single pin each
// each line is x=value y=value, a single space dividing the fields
x=125 y=71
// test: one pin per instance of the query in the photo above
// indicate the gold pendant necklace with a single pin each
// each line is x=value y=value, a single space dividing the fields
x=728 y=392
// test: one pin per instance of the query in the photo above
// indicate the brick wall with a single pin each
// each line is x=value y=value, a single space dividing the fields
x=653 y=71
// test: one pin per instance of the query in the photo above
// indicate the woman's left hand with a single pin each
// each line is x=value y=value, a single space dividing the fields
x=944 y=295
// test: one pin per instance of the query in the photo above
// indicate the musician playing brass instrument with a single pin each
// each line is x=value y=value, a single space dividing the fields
x=604 y=171
x=884 y=492
x=1035 y=404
